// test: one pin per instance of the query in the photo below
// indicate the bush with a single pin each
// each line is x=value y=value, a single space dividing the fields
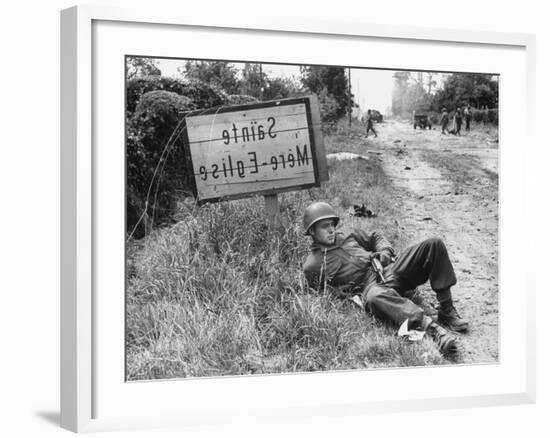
x=203 y=95
x=329 y=109
x=492 y=116
x=485 y=116
x=151 y=183
x=154 y=107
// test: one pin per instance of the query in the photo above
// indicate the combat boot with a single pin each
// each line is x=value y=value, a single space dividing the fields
x=448 y=316
x=444 y=340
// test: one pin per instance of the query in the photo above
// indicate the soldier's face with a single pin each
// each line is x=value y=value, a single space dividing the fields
x=324 y=232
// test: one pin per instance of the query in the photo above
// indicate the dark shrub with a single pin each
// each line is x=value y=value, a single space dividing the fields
x=154 y=107
x=492 y=116
x=152 y=183
x=328 y=107
x=203 y=95
x=485 y=116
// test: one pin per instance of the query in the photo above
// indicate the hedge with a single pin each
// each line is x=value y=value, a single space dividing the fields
x=156 y=177
x=152 y=184
x=203 y=95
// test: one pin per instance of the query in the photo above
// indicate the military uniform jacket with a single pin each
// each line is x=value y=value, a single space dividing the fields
x=346 y=264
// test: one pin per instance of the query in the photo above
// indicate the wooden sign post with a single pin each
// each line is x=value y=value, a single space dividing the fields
x=272 y=210
x=257 y=149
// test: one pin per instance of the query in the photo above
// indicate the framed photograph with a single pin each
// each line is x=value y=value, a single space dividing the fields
x=267 y=219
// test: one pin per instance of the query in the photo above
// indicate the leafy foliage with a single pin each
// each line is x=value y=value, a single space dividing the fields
x=139 y=67
x=460 y=89
x=154 y=156
x=329 y=109
x=281 y=88
x=401 y=79
x=253 y=81
x=417 y=99
x=204 y=95
x=328 y=83
x=154 y=151
x=485 y=116
x=222 y=75
x=410 y=94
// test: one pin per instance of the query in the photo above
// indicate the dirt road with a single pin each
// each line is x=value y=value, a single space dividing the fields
x=448 y=186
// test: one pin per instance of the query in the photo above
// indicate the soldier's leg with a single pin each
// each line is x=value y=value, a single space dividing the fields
x=427 y=260
x=388 y=305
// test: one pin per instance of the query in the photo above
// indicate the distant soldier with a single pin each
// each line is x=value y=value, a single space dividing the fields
x=345 y=262
x=468 y=117
x=458 y=120
x=370 y=127
x=444 y=121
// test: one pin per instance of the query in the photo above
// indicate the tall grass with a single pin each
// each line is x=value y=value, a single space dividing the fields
x=219 y=293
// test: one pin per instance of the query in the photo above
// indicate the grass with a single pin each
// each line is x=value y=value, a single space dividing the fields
x=220 y=294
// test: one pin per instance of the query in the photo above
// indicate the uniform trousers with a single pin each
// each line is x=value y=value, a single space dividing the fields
x=427 y=260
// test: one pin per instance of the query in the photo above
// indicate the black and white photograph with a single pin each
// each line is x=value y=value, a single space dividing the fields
x=295 y=218
x=291 y=219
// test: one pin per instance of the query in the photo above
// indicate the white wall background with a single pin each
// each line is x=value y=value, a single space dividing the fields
x=29 y=245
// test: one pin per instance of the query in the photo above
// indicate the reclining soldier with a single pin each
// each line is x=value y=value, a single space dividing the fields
x=344 y=262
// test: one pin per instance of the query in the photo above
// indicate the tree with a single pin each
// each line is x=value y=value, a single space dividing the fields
x=416 y=98
x=333 y=80
x=431 y=82
x=281 y=88
x=202 y=94
x=253 y=81
x=478 y=90
x=139 y=67
x=218 y=74
x=401 y=84
x=329 y=108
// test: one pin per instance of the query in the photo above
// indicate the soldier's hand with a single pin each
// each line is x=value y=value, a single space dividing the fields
x=383 y=256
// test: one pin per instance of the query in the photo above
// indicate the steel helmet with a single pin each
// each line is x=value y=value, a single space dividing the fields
x=317 y=212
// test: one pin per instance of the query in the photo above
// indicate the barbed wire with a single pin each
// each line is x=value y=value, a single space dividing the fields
x=162 y=160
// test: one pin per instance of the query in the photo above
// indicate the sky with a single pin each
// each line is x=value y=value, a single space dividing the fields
x=372 y=88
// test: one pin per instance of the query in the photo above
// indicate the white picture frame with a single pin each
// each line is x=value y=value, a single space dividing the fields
x=94 y=396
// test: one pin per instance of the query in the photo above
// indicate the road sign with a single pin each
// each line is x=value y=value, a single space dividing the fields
x=257 y=149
